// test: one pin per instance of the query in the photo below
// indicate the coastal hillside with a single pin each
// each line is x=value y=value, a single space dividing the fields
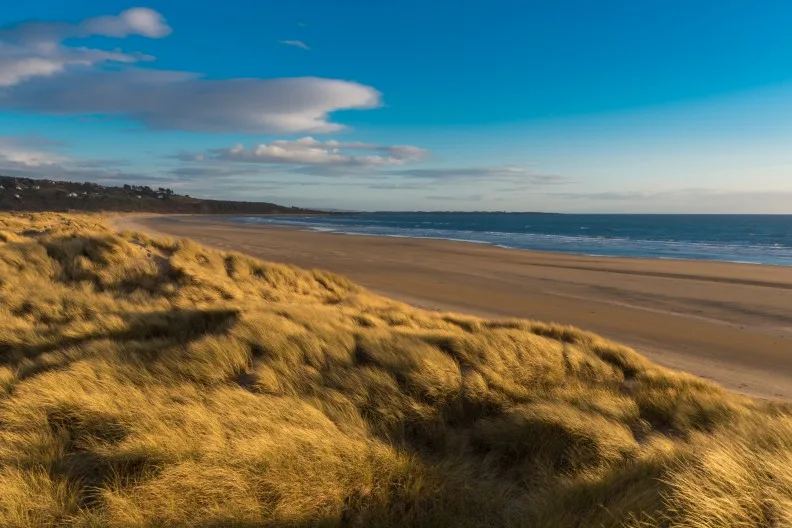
x=25 y=194
x=154 y=382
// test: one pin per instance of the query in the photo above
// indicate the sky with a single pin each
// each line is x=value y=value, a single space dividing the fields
x=618 y=106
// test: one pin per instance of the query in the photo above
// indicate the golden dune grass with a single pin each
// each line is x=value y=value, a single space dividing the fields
x=159 y=383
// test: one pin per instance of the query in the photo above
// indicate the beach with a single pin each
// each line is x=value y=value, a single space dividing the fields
x=730 y=323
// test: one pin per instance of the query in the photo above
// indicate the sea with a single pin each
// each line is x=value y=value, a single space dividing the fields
x=757 y=239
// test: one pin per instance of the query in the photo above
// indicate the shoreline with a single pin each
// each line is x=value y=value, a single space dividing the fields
x=513 y=248
x=728 y=322
x=537 y=252
x=482 y=240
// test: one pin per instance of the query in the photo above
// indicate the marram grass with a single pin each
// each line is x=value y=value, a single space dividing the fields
x=151 y=382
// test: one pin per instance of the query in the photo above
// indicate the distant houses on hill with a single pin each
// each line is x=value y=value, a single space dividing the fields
x=28 y=194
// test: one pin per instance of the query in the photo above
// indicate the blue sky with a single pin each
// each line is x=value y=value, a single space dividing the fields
x=576 y=106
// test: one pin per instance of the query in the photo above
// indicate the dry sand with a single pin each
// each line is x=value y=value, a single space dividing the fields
x=731 y=323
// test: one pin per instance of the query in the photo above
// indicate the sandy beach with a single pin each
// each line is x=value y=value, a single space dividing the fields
x=731 y=323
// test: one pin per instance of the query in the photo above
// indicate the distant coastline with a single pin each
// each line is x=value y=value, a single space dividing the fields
x=38 y=195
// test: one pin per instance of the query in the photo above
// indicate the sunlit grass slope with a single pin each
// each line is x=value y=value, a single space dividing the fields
x=159 y=383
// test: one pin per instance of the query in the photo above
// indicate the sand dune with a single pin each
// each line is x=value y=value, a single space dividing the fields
x=157 y=382
x=731 y=323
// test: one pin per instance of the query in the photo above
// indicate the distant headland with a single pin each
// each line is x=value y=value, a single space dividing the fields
x=27 y=194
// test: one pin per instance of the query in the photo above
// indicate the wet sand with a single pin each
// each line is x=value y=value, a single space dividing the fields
x=731 y=323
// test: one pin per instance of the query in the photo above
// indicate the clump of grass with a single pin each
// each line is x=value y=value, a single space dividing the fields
x=151 y=382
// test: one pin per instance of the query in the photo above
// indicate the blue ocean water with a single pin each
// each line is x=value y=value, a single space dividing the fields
x=760 y=239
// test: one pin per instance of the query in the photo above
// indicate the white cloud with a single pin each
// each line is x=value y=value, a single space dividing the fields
x=309 y=151
x=296 y=43
x=38 y=73
x=18 y=67
x=14 y=70
x=183 y=101
x=136 y=21
x=35 y=49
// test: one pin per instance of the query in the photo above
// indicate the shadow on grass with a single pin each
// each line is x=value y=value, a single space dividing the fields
x=163 y=328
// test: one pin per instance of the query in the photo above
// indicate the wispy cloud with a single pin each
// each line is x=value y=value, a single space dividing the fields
x=27 y=152
x=701 y=200
x=312 y=152
x=404 y=186
x=32 y=157
x=519 y=177
x=192 y=172
x=615 y=195
x=371 y=166
x=456 y=198
x=696 y=193
x=295 y=43
x=40 y=73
